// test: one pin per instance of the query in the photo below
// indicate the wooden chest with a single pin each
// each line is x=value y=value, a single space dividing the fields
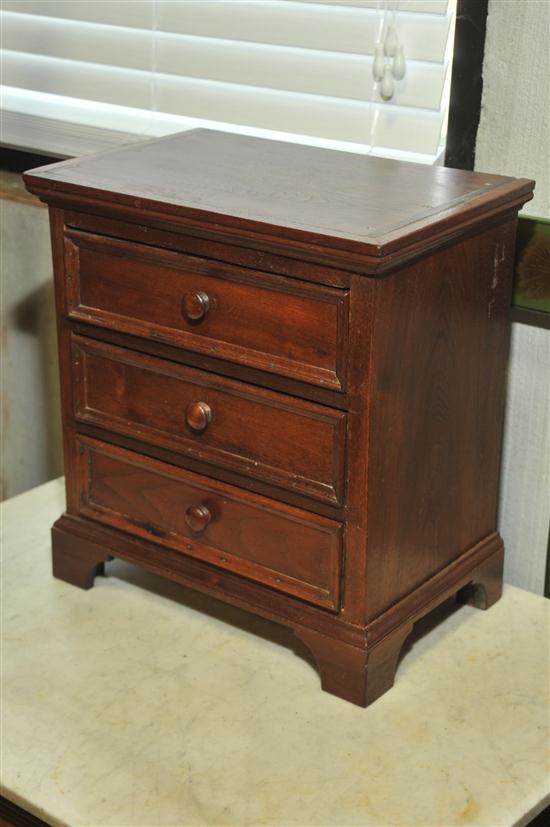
x=283 y=373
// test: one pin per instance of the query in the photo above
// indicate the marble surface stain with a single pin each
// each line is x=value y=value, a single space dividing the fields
x=469 y=813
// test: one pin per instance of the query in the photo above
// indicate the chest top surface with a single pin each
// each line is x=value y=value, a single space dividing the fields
x=306 y=194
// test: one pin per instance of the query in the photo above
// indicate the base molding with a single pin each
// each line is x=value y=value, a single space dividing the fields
x=362 y=674
x=481 y=564
x=76 y=565
x=355 y=663
x=104 y=542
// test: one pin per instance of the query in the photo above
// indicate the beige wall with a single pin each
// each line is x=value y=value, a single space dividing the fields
x=31 y=435
x=513 y=139
x=513 y=136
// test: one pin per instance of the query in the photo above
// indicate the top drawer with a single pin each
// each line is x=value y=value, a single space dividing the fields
x=268 y=322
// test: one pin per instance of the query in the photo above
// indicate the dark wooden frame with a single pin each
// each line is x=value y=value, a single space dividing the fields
x=12 y=815
x=466 y=83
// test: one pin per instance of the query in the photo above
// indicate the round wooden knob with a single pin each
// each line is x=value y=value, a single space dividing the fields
x=196 y=304
x=197 y=517
x=198 y=415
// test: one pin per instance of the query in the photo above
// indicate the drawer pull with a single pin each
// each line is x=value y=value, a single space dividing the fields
x=198 y=415
x=197 y=517
x=196 y=304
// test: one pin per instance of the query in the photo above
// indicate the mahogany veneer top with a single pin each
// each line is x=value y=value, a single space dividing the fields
x=334 y=199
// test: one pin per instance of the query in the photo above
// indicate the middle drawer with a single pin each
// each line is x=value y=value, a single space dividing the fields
x=266 y=435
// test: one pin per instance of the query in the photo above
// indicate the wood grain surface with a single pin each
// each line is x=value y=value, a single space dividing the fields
x=278 y=438
x=365 y=205
x=289 y=549
x=276 y=324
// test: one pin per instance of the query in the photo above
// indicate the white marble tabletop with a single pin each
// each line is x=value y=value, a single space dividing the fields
x=142 y=704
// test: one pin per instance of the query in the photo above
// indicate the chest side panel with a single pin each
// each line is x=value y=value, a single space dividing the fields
x=441 y=334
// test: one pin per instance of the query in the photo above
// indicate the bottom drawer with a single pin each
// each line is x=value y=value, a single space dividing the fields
x=286 y=548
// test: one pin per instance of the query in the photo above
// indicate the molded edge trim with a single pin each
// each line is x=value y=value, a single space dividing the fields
x=436 y=590
x=278 y=607
x=372 y=257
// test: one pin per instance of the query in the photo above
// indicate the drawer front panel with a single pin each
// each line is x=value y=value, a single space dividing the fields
x=268 y=322
x=266 y=435
x=286 y=548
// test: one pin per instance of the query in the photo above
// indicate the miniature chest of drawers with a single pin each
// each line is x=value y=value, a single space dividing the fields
x=283 y=373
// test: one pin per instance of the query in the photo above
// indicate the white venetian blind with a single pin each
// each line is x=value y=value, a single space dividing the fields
x=79 y=75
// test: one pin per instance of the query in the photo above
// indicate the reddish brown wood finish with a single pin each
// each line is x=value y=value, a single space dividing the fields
x=440 y=340
x=251 y=410
x=259 y=433
x=197 y=517
x=206 y=242
x=196 y=305
x=285 y=547
x=79 y=566
x=198 y=415
x=276 y=324
x=316 y=204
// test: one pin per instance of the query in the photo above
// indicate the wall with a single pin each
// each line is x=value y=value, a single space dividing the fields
x=513 y=139
x=31 y=434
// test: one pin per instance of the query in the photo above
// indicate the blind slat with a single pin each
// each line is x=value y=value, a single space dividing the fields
x=110 y=84
x=41 y=131
x=279 y=22
x=330 y=28
x=119 y=11
x=334 y=118
x=299 y=70
x=134 y=13
x=74 y=40
x=295 y=70
x=422 y=6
